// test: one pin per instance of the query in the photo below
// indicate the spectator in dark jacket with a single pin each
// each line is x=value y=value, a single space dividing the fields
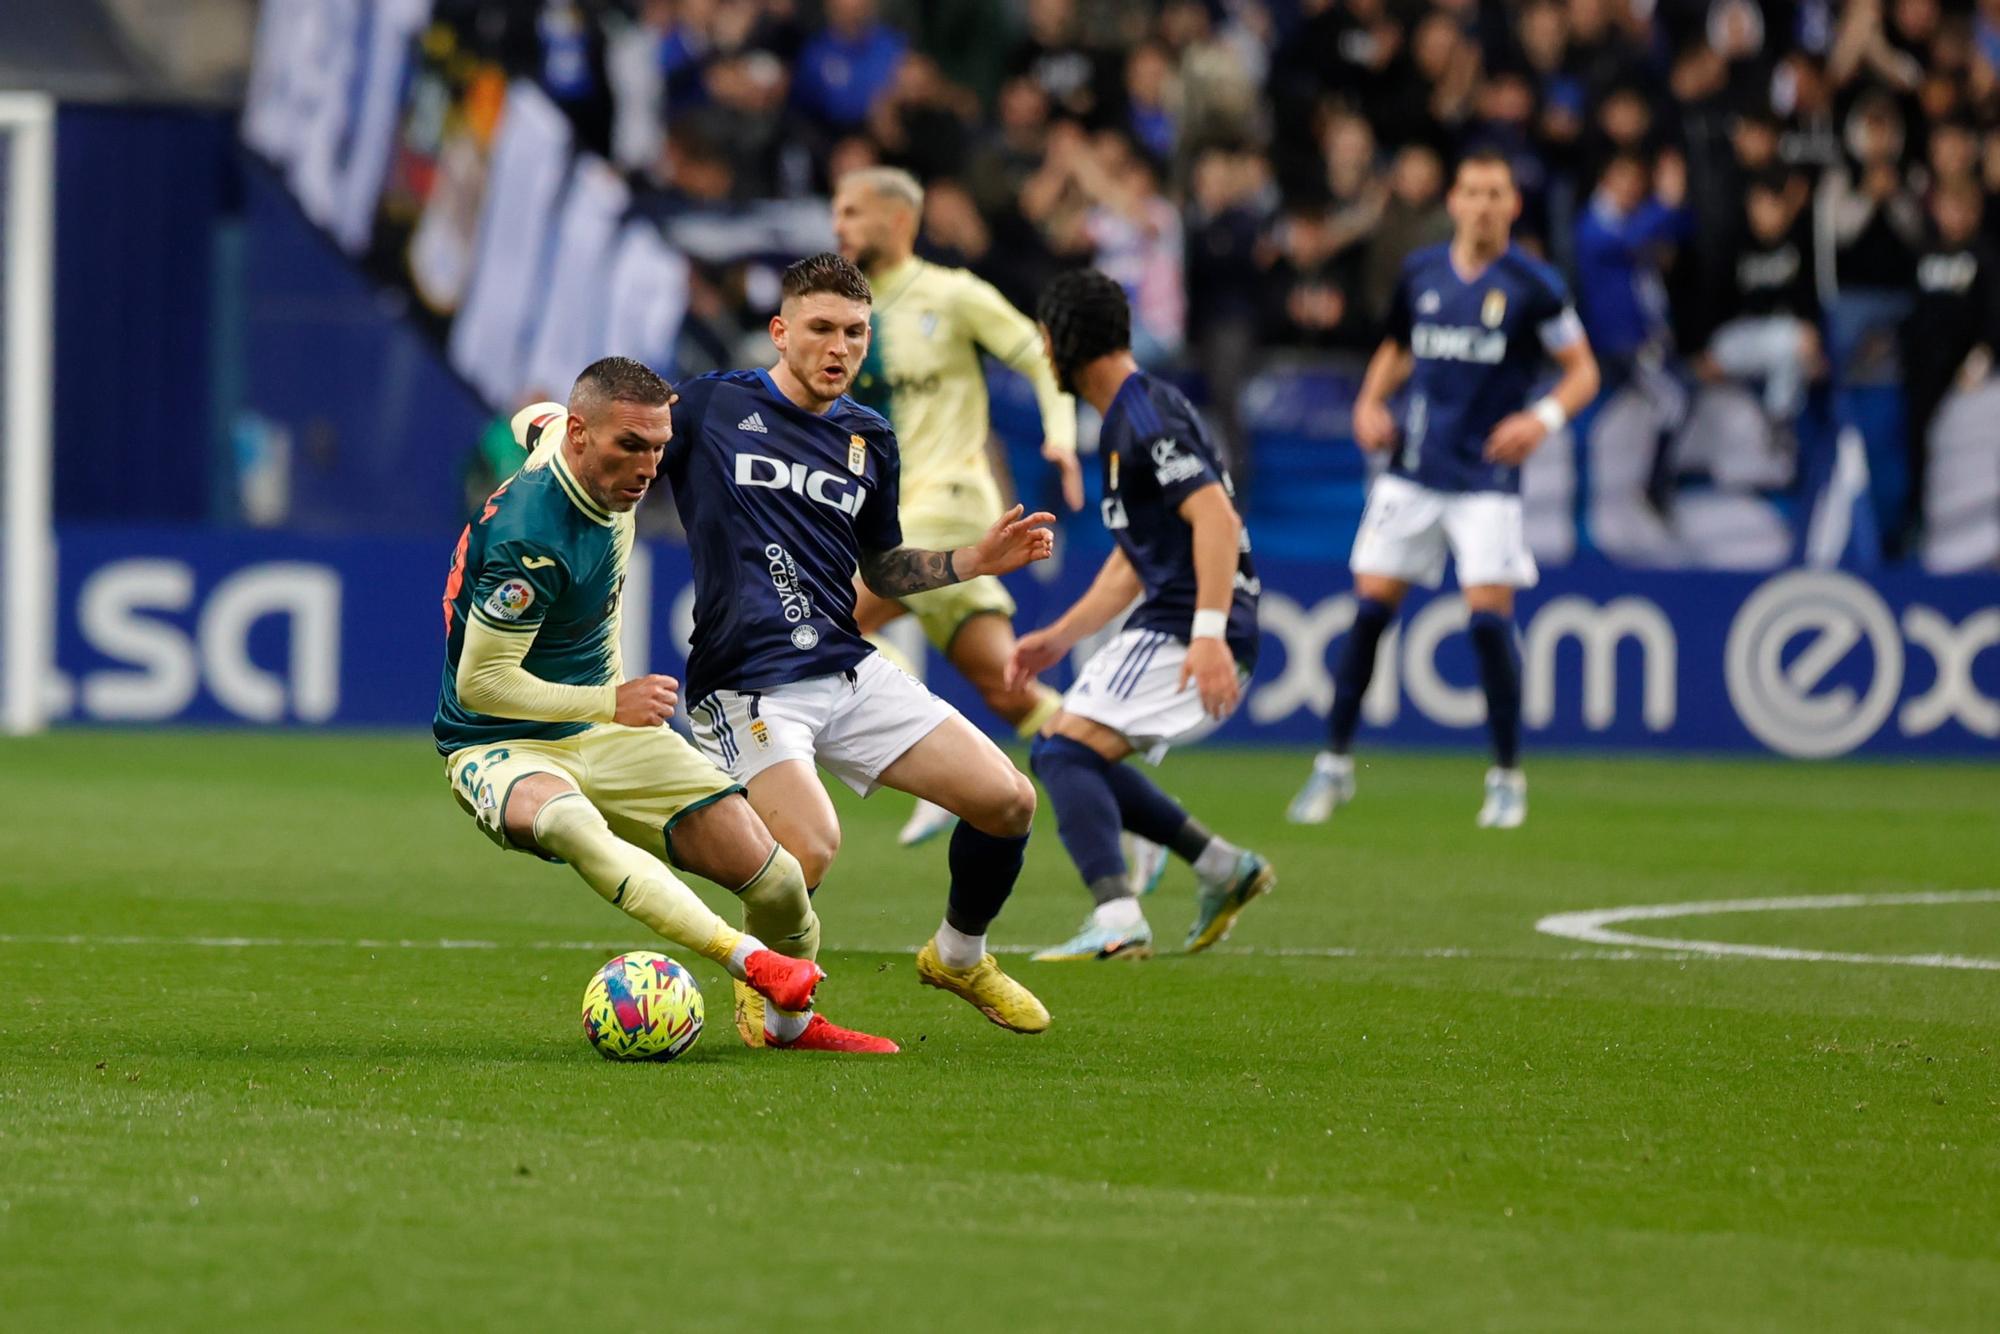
x=1769 y=306
x=1954 y=326
x=1226 y=217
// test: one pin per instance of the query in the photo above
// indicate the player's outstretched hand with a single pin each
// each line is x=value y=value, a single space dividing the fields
x=1213 y=672
x=1374 y=428
x=1014 y=541
x=1034 y=654
x=647 y=701
x=1514 y=438
x=1069 y=471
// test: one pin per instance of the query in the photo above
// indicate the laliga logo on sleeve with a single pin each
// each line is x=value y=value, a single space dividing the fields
x=511 y=600
x=1780 y=702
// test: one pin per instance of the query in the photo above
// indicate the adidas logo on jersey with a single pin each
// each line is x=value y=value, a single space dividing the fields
x=753 y=422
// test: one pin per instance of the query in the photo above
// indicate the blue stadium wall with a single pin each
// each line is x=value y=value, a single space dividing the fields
x=184 y=625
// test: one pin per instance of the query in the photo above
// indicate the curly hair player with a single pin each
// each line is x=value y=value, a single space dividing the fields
x=1177 y=668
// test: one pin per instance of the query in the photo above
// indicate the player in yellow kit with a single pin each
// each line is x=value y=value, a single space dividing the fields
x=923 y=373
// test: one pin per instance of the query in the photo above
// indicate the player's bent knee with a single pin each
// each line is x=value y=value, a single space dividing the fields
x=723 y=841
x=815 y=850
x=525 y=802
x=1380 y=588
x=1011 y=811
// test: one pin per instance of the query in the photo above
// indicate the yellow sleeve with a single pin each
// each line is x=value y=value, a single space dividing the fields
x=1016 y=340
x=492 y=681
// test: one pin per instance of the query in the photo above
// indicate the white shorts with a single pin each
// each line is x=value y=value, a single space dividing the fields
x=1406 y=530
x=1133 y=686
x=853 y=725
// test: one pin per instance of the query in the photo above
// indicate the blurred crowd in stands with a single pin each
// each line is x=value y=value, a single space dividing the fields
x=1778 y=193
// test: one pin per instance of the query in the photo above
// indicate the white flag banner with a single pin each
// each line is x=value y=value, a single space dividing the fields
x=648 y=297
x=572 y=332
x=489 y=339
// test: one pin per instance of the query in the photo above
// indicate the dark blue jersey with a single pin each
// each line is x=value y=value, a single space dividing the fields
x=1479 y=344
x=1156 y=453
x=778 y=503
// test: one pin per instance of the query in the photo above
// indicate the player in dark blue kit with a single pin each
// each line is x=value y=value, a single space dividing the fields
x=1176 y=669
x=1468 y=329
x=786 y=487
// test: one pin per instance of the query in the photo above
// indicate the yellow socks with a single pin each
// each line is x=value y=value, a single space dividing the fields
x=637 y=882
x=777 y=910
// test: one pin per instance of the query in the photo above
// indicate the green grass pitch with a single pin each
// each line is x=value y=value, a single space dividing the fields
x=1388 y=1103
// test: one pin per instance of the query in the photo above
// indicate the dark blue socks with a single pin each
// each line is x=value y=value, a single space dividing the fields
x=983 y=871
x=1143 y=808
x=1500 y=672
x=1353 y=670
x=1078 y=781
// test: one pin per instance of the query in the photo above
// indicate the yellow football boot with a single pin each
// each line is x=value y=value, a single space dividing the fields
x=990 y=991
x=749 y=1015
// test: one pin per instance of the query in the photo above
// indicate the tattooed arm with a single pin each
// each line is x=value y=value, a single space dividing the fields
x=1012 y=541
x=907 y=570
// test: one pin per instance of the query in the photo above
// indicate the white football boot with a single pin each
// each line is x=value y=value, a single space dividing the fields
x=926 y=822
x=1506 y=805
x=1330 y=785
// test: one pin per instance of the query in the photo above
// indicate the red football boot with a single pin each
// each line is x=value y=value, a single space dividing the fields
x=823 y=1035
x=787 y=983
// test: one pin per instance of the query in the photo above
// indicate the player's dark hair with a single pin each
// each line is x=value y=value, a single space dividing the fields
x=827 y=272
x=618 y=380
x=1486 y=157
x=1087 y=317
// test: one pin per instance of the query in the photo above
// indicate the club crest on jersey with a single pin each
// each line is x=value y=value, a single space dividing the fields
x=511 y=600
x=857 y=455
x=1493 y=309
x=929 y=324
x=760 y=732
x=1427 y=304
x=805 y=638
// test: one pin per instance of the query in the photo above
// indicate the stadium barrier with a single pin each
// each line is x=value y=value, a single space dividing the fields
x=192 y=626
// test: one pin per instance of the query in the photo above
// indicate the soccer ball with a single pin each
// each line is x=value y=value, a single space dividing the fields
x=642 y=1007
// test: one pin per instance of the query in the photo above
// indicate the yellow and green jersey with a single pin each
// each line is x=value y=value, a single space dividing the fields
x=922 y=372
x=542 y=559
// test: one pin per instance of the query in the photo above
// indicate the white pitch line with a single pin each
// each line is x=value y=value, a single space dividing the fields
x=1592 y=927
x=1619 y=946
x=619 y=946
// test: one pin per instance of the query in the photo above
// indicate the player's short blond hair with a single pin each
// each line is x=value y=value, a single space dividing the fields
x=889 y=183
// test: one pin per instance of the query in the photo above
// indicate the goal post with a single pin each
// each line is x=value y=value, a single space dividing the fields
x=27 y=336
